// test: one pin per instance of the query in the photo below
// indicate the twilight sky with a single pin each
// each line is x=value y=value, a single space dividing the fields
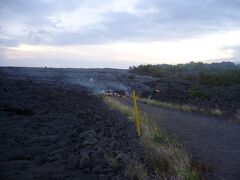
x=117 y=33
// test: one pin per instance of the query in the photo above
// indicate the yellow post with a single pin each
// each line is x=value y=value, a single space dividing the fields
x=136 y=112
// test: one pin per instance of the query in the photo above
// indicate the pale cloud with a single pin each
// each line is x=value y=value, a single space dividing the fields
x=126 y=31
x=128 y=53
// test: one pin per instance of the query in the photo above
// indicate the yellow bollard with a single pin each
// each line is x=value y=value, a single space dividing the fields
x=136 y=112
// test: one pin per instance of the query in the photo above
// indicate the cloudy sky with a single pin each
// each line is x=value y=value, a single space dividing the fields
x=117 y=33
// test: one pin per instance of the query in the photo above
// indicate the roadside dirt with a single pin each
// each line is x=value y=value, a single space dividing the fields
x=211 y=141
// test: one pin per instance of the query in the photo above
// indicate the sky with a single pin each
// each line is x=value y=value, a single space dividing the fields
x=117 y=33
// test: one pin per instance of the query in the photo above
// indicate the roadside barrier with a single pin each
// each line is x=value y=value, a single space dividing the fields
x=136 y=113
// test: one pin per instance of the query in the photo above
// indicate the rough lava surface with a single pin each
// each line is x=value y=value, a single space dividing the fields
x=54 y=131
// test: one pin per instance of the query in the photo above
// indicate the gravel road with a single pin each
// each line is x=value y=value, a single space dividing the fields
x=214 y=142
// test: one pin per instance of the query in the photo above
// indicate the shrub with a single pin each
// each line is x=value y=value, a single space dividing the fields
x=196 y=92
x=151 y=70
x=225 y=78
x=215 y=74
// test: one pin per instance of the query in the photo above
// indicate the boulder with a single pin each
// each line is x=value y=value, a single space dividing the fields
x=88 y=133
x=102 y=177
x=122 y=157
x=90 y=141
x=16 y=165
x=72 y=162
x=98 y=169
x=84 y=161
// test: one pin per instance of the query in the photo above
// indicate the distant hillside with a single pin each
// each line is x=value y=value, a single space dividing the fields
x=215 y=74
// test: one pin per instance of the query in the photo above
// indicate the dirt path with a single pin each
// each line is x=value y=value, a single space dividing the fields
x=214 y=142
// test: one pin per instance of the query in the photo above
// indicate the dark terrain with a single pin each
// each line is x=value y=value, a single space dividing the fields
x=207 y=86
x=54 y=127
x=226 y=99
x=53 y=131
x=211 y=141
x=172 y=88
